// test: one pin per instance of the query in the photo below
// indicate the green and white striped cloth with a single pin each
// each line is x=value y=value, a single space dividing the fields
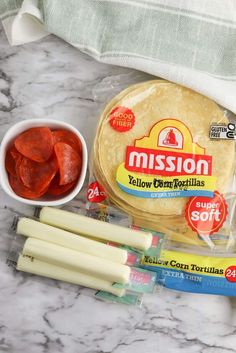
x=189 y=42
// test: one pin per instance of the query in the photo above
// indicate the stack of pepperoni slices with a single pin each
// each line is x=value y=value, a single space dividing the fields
x=44 y=162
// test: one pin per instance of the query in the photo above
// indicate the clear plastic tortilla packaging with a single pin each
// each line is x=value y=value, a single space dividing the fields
x=164 y=155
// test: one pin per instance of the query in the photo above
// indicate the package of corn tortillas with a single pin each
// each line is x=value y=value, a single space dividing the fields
x=164 y=155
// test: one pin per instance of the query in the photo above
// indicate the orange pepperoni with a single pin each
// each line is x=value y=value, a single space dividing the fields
x=15 y=154
x=37 y=176
x=68 y=137
x=69 y=162
x=56 y=189
x=10 y=162
x=21 y=190
x=35 y=144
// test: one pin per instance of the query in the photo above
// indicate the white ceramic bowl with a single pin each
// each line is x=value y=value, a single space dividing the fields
x=17 y=129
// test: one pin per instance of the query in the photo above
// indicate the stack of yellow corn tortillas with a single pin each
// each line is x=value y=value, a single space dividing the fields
x=152 y=102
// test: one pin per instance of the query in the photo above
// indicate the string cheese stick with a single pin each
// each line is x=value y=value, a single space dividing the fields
x=76 y=260
x=34 y=229
x=91 y=227
x=40 y=268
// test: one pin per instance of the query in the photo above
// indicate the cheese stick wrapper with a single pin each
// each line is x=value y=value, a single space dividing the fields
x=141 y=281
x=157 y=242
x=93 y=228
x=129 y=298
x=76 y=260
x=41 y=231
x=40 y=268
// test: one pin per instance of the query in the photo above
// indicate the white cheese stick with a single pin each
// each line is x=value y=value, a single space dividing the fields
x=34 y=229
x=75 y=260
x=91 y=227
x=40 y=268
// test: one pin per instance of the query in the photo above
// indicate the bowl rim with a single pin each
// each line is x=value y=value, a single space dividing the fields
x=22 y=126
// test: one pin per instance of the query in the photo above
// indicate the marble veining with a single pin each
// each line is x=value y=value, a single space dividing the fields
x=50 y=79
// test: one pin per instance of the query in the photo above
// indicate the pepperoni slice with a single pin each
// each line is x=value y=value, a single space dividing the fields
x=56 y=189
x=21 y=190
x=69 y=162
x=10 y=162
x=68 y=137
x=37 y=176
x=15 y=154
x=35 y=144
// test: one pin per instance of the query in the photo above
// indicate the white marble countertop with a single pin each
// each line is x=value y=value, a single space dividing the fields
x=50 y=79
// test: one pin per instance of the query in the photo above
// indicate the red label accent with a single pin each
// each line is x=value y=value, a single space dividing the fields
x=230 y=274
x=122 y=119
x=171 y=140
x=139 y=277
x=132 y=259
x=206 y=215
x=96 y=192
x=160 y=162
